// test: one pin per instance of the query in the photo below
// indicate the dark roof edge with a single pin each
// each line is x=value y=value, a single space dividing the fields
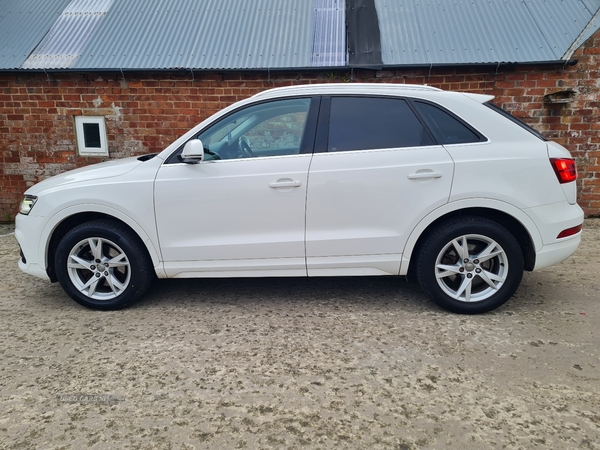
x=570 y=62
x=558 y=62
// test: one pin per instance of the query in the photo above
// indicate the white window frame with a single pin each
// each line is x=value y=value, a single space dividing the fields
x=82 y=150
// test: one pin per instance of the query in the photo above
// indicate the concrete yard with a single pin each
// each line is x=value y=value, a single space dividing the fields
x=365 y=363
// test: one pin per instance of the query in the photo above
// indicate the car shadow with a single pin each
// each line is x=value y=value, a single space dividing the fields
x=278 y=291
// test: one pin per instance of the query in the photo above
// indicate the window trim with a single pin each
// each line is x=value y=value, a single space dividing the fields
x=82 y=150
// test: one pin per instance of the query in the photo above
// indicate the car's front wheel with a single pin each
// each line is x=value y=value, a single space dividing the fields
x=470 y=265
x=103 y=265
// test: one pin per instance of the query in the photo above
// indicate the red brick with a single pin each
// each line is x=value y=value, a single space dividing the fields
x=579 y=126
x=547 y=83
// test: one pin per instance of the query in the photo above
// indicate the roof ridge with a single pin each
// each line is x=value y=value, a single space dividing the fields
x=577 y=42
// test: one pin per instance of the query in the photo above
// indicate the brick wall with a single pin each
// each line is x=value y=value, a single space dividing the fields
x=147 y=111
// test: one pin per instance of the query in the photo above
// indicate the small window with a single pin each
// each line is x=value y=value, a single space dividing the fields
x=446 y=128
x=363 y=123
x=91 y=136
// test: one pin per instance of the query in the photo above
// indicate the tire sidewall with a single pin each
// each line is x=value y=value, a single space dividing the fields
x=444 y=234
x=121 y=237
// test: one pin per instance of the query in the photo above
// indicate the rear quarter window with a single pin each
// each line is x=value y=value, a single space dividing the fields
x=445 y=127
x=513 y=119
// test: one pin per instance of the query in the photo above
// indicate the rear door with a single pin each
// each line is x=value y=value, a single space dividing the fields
x=375 y=173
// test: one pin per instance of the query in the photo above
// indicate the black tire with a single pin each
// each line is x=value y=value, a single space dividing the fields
x=101 y=264
x=470 y=282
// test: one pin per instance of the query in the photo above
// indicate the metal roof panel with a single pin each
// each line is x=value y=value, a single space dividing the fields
x=23 y=24
x=287 y=34
x=63 y=43
x=329 y=36
x=421 y=32
x=207 y=34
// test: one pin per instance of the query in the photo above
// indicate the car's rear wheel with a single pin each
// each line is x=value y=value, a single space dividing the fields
x=470 y=265
x=103 y=265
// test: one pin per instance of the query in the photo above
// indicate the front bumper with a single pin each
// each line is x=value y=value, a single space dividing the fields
x=28 y=231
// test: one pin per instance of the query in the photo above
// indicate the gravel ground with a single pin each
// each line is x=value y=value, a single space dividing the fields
x=291 y=363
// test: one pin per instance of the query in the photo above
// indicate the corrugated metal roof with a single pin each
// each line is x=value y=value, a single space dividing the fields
x=591 y=5
x=329 y=38
x=23 y=24
x=415 y=32
x=282 y=34
x=592 y=26
x=61 y=47
x=209 y=34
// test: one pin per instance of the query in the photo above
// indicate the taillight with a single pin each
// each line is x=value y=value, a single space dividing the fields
x=565 y=169
x=569 y=232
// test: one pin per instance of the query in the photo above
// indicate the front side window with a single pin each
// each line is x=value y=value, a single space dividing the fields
x=363 y=123
x=267 y=129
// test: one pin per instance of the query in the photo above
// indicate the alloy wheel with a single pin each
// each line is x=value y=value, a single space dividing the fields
x=471 y=268
x=99 y=268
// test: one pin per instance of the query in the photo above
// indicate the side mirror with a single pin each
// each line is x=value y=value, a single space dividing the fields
x=193 y=152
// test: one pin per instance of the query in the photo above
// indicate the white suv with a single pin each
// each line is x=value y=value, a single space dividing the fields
x=317 y=180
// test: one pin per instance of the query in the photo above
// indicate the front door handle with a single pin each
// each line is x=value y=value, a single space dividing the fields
x=285 y=183
x=424 y=175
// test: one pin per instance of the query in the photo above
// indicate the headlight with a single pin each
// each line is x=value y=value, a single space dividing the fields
x=27 y=204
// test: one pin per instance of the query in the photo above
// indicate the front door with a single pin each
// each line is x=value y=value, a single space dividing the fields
x=241 y=211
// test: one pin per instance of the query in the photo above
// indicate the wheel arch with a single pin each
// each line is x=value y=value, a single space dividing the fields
x=516 y=227
x=57 y=228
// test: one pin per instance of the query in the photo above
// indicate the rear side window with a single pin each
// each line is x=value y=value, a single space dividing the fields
x=514 y=119
x=446 y=128
x=363 y=123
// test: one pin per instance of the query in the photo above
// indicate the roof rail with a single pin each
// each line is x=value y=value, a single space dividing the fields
x=347 y=86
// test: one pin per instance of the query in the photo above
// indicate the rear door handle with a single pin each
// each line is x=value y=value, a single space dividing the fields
x=285 y=183
x=424 y=175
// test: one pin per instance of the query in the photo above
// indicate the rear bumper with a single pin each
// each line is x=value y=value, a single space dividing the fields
x=555 y=253
x=554 y=218
x=551 y=220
